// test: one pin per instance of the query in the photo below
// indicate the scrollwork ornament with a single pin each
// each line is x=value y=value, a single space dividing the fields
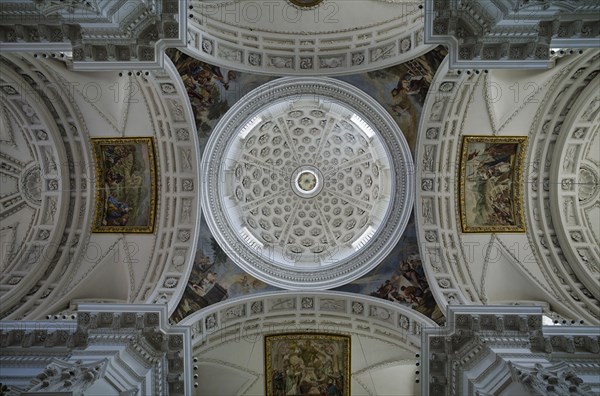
x=211 y=321
x=566 y=184
x=256 y=307
x=405 y=44
x=427 y=184
x=306 y=63
x=432 y=133
x=446 y=86
x=357 y=308
x=444 y=283
x=587 y=183
x=207 y=46
x=254 y=59
x=307 y=302
x=430 y=236
x=358 y=58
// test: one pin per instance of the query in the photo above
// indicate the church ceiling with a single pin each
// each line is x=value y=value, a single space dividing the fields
x=308 y=183
x=336 y=38
x=553 y=262
x=399 y=278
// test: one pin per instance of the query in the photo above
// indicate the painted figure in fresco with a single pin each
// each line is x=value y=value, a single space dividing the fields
x=241 y=286
x=412 y=294
x=332 y=390
x=291 y=383
x=491 y=180
x=113 y=178
x=117 y=213
x=205 y=284
x=405 y=96
x=307 y=369
x=495 y=160
x=309 y=352
x=409 y=85
x=308 y=382
x=412 y=270
x=114 y=154
x=201 y=92
x=386 y=290
x=219 y=76
x=278 y=383
x=337 y=380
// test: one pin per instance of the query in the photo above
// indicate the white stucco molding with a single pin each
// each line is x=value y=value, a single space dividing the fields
x=510 y=34
x=96 y=35
x=278 y=38
x=134 y=346
x=324 y=311
x=488 y=349
x=458 y=265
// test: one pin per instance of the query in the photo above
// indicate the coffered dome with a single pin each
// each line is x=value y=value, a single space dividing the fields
x=300 y=183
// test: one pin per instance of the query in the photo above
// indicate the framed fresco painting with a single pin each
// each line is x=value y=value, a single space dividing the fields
x=307 y=364
x=125 y=185
x=490 y=192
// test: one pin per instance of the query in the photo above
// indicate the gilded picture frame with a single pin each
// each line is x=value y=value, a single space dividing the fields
x=125 y=185
x=304 y=363
x=491 y=184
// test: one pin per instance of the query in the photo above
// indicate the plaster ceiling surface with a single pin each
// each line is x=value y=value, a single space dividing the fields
x=283 y=16
x=329 y=38
x=305 y=183
x=22 y=185
x=236 y=368
x=49 y=256
x=228 y=340
x=555 y=260
x=575 y=198
x=34 y=184
x=590 y=187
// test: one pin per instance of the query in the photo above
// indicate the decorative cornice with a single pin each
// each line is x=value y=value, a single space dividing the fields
x=545 y=130
x=254 y=46
x=131 y=34
x=503 y=34
x=477 y=351
x=138 y=332
x=367 y=316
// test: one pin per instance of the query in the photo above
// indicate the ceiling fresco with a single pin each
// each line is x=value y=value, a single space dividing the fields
x=400 y=277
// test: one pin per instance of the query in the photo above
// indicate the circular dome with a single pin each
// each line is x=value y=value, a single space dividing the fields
x=302 y=188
